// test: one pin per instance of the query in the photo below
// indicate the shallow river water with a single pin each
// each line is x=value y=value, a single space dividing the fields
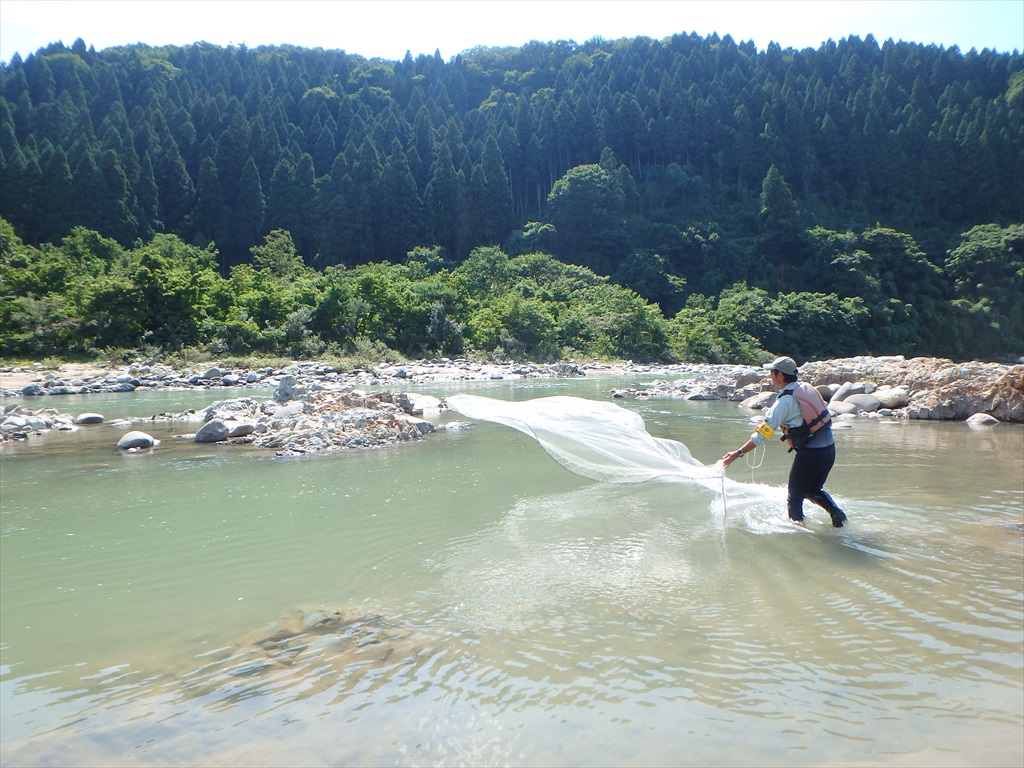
x=502 y=611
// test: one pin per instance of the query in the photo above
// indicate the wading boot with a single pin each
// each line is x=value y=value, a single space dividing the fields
x=823 y=500
x=795 y=509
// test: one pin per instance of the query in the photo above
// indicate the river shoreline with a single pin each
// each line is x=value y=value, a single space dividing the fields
x=936 y=388
x=335 y=409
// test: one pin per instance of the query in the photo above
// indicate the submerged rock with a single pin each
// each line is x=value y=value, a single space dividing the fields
x=136 y=440
x=341 y=636
x=982 y=420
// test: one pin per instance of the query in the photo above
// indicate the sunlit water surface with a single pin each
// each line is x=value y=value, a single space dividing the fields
x=528 y=616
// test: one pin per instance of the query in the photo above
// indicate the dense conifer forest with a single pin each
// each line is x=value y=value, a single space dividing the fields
x=688 y=198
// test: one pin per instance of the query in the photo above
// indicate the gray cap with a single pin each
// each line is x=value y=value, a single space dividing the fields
x=784 y=364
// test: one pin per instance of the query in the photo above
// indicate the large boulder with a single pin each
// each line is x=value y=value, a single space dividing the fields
x=421 y=426
x=746 y=378
x=240 y=429
x=843 y=407
x=760 y=400
x=850 y=388
x=88 y=418
x=287 y=389
x=982 y=420
x=212 y=431
x=14 y=423
x=415 y=404
x=867 y=403
x=892 y=397
x=136 y=440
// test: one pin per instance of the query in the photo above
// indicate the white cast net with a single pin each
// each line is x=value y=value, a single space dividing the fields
x=599 y=440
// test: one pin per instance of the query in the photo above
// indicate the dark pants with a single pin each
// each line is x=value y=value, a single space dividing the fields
x=806 y=478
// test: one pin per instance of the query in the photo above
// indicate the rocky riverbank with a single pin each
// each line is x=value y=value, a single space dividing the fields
x=916 y=388
x=315 y=407
x=74 y=379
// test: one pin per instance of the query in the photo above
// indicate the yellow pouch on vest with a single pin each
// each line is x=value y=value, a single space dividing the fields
x=764 y=430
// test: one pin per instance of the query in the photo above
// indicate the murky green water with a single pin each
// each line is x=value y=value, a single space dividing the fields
x=532 y=617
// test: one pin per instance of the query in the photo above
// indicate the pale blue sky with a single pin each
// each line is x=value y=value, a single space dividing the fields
x=388 y=28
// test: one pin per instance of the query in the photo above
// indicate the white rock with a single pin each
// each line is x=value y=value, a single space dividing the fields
x=865 y=402
x=843 y=408
x=892 y=397
x=982 y=420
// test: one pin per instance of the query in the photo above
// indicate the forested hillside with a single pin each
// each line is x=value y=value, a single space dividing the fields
x=878 y=188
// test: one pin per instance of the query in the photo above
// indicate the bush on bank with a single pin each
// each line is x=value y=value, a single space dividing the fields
x=88 y=296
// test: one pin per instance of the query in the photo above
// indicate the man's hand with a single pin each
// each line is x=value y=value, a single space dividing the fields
x=730 y=457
